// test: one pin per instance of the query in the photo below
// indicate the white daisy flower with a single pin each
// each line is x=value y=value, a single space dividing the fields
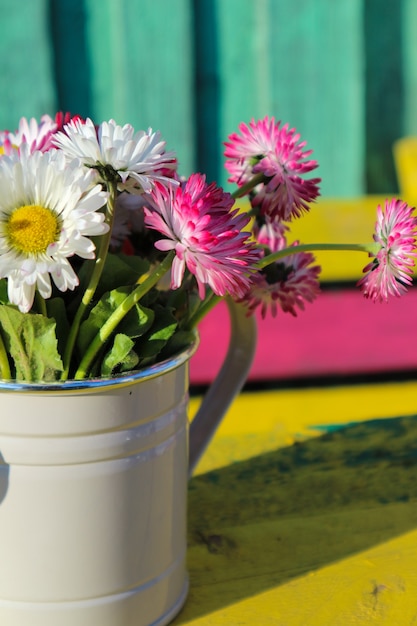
x=138 y=159
x=48 y=211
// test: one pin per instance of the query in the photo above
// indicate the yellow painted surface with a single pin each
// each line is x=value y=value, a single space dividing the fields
x=303 y=511
x=405 y=159
x=337 y=220
x=341 y=220
x=262 y=421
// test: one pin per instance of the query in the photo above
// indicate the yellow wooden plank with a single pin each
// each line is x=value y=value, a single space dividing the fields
x=261 y=421
x=405 y=158
x=338 y=220
x=376 y=587
x=298 y=535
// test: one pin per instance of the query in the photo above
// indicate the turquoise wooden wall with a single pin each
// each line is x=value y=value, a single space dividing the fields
x=343 y=72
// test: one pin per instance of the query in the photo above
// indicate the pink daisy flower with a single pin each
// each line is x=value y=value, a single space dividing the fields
x=277 y=152
x=197 y=222
x=6 y=147
x=61 y=119
x=37 y=135
x=390 y=271
x=271 y=233
x=287 y=284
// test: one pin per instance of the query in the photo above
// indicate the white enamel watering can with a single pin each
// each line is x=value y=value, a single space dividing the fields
x=93 y=489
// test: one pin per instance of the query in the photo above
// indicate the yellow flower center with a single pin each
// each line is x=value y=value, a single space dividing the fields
x=31 y=228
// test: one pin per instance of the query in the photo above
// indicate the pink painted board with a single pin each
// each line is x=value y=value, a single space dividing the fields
x=341 y=333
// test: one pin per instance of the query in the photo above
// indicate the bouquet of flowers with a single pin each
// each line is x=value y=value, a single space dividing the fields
x=109 y=258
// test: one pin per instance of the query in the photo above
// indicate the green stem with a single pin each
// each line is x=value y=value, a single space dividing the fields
x=94 y=280
x=118 y=314
x=247 y=187
x=370 y=248
x=202 y=311
x=5 y=373
x=211 y=302
x=40 y=304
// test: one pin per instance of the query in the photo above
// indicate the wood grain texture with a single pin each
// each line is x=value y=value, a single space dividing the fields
x=343 y=73
x=142 y=68
x=316 y=77
x=27 y=85
x=383 y=89
x=303 y=511
x=409 y=67
x=71 y=55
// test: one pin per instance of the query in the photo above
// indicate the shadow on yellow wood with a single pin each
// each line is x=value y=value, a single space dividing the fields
x=318 y=528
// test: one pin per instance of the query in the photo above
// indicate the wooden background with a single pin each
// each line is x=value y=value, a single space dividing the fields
x=343 y=72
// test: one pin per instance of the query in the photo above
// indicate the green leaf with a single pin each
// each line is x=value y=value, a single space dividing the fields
x=58 y=311
x=30 y=340
x=120 y=356
x=4 y=298
x=156 y=338
x=179 y=341
x=119 y=269
x=136 y=322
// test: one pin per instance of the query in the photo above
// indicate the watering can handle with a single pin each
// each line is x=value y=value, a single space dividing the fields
x=228 y=382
